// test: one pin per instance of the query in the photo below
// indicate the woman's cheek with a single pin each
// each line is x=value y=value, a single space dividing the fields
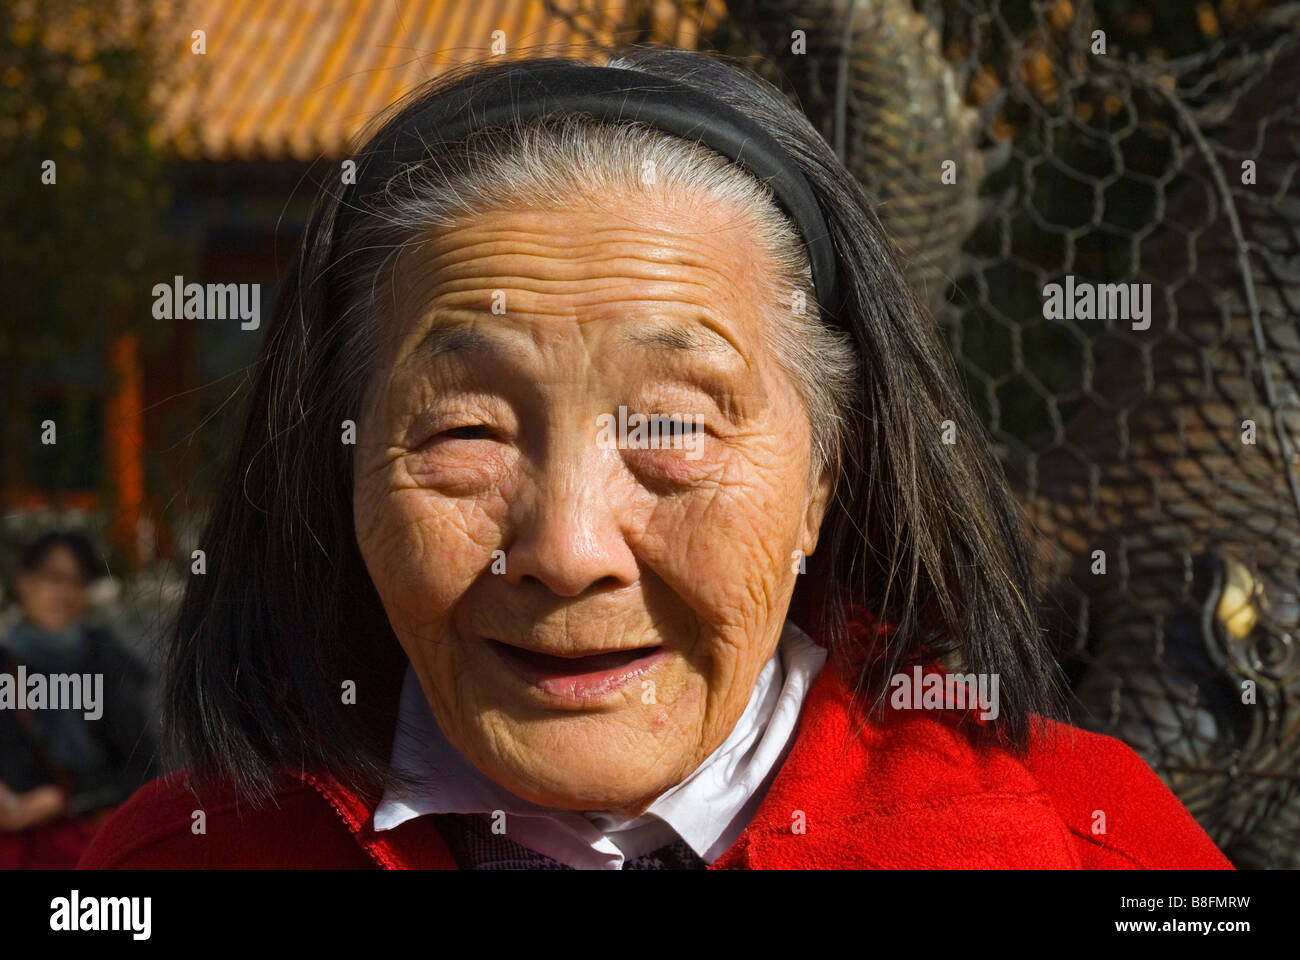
x=429 y=563
x=740 y=525
x=429 y=547
x=687 y=529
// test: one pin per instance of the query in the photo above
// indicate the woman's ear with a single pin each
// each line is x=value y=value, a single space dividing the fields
x=818 y=500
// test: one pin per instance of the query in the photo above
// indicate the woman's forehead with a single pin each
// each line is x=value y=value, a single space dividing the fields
x=681 y=272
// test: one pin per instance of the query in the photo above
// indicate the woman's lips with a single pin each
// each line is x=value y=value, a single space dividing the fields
x=579 y=678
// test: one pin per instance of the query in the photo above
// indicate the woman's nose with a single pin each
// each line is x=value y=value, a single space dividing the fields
x=568 y=530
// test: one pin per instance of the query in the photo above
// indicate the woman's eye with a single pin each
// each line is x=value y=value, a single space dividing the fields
x=472 y=431
x=666 y=426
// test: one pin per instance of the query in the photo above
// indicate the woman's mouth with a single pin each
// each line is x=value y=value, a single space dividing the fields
x=583 y=678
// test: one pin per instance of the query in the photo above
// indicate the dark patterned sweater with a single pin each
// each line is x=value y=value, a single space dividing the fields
x=475 y=847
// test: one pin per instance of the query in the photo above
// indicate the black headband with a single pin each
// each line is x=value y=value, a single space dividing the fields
x=606 y=93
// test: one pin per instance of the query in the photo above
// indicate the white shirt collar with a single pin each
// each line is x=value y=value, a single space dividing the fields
x=709 y=809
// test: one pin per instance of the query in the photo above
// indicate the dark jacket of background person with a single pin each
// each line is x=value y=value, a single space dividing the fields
x=97 y=763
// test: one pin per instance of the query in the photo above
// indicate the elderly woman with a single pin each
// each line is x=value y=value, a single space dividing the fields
x=606 y=501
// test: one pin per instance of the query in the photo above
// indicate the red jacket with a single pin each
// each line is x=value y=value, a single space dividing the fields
x=909 y=792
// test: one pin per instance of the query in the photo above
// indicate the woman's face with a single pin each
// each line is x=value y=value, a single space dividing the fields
x=53 y=595
x=587 y=618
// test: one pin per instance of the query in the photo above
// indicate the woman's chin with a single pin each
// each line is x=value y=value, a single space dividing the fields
x=610 y=738
x=583 y=790
x=592 y=762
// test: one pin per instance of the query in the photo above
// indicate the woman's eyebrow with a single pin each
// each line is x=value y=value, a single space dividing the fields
x=460 y=337
x=682 y=336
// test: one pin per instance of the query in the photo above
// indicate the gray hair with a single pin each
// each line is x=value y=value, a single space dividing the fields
x=550 y=160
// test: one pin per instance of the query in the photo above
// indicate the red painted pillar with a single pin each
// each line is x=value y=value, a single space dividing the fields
x=125 y=441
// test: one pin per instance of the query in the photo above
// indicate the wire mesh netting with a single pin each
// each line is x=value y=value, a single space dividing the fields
x=1113 y=258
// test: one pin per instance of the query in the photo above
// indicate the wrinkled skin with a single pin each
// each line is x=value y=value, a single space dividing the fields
x=493 y=447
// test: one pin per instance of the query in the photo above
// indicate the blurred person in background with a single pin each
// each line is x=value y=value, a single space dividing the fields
x=62 y=772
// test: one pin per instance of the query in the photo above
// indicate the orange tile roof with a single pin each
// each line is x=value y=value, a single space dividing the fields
x=296 y=79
